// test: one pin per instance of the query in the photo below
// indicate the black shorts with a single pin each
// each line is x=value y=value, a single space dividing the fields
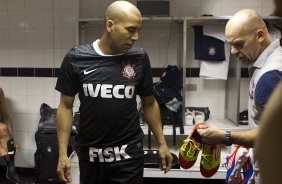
x=128 y=171
x=121 y=164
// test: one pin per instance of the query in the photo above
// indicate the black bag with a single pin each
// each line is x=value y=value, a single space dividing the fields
x=47 y=153
x=46 y=158
x=167 y=116
x=166 y=90
x=47 y=122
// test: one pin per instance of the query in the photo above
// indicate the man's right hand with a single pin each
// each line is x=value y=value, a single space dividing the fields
x=211 y=134
x=64 y=169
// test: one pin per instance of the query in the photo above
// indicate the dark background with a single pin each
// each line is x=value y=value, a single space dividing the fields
x=27 y=176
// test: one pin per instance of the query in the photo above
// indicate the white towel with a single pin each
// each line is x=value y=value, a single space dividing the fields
x=216 y=31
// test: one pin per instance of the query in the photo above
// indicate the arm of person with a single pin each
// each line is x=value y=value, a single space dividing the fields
x=7 y=120
x=4 y=112
x=269 y=138
x=211 y=134
x=152 y=117
x=64 y=125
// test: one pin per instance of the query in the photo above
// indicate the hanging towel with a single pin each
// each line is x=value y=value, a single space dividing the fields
x=216 y=31
x=216 y=70
x=207 y=48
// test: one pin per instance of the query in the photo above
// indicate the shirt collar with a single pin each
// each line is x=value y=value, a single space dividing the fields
x=263 y=56
x=98 y=50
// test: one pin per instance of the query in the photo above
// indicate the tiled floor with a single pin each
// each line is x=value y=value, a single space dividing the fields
x=27 y=175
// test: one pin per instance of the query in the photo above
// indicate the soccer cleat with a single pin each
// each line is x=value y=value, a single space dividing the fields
x=190 y=149
x=189 y=153
x=235 y=164
x=210 y=159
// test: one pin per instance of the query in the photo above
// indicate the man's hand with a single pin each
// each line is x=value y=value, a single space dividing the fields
x=64 y=169
x=5 y=136
x=211 y=134
x=166 y=158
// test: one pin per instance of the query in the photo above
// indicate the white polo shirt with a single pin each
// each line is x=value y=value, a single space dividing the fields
x=264 y=80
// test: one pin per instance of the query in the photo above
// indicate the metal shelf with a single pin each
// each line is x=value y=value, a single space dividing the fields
x=190 y=20
x=225 y=124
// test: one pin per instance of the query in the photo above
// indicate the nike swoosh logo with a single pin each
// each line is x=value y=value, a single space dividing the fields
x=90 y=71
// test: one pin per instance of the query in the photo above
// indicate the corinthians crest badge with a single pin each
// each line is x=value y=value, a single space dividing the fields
x=128 y=71
x=212 y=51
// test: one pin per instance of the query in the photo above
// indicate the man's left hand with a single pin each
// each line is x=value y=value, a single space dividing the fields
x=166 y=158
